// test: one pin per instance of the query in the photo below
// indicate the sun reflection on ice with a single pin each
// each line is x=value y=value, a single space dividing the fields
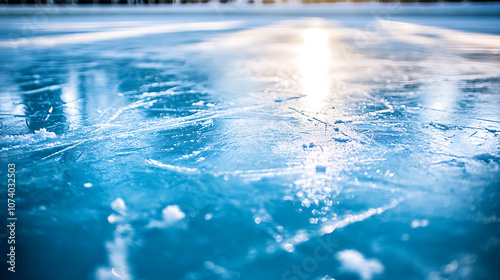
x=314 y=68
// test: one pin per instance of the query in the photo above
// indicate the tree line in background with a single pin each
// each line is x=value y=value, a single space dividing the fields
x=124 y=2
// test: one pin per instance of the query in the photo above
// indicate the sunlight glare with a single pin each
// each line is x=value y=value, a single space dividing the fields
x=314 y=67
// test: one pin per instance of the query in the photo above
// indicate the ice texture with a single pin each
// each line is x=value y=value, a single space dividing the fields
x=251 y=147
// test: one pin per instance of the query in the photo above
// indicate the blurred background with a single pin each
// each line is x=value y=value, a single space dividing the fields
x=142 y=2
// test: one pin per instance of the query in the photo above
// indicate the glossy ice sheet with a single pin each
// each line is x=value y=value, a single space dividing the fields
x=238 y=147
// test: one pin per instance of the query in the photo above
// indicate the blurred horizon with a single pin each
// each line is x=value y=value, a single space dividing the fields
x=267 y=2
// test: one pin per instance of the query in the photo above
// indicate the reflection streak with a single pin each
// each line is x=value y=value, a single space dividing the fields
x=314 y=67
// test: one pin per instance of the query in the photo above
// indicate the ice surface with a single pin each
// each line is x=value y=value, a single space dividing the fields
x=250 y=147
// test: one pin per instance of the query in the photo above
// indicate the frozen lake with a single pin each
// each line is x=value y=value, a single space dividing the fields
x=249 y=147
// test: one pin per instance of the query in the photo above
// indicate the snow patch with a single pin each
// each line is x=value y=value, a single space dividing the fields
x=39 y=135
x=172 y=214
x=354 y=262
